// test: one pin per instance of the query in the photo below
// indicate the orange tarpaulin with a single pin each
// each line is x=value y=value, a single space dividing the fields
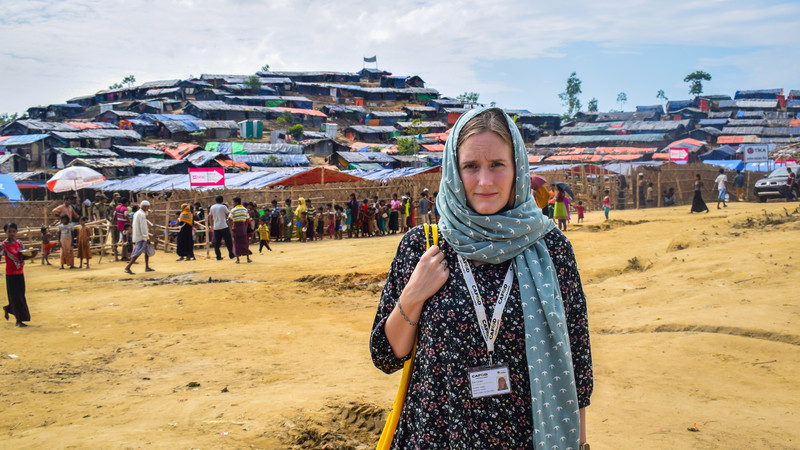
x=433 y=147
x=85 y=125
x=315 y=176
x=178 y=152
x=749 y=139
x=231 y=163
x=307 y=112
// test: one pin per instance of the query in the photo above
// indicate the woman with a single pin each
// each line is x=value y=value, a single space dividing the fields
x=394 y=214
x=355 y=216
x=185 y=244
x=240 y=219
x=493 y=232
x=297 y=213
x=698 y=205
x=12 y=249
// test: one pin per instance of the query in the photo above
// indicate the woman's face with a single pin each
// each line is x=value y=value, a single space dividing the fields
x=486 y=166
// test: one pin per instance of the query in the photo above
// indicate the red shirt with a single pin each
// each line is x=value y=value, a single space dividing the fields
x=580 y=210
x=12 y=251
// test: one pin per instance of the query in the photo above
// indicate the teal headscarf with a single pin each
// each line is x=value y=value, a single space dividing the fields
x=516 y=233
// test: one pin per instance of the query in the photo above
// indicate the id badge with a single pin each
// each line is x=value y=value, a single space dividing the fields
x=487 y=381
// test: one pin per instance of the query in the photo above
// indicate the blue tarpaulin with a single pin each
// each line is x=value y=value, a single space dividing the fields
x=387 y=174
x=727 y=164
x=8 y=188
x=724 y=152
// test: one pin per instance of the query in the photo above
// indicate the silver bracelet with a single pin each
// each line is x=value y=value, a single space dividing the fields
x=400 y=307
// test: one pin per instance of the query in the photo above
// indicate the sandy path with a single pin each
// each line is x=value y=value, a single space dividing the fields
x=701 y=328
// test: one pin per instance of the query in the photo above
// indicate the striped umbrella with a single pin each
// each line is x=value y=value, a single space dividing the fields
x=74 y=178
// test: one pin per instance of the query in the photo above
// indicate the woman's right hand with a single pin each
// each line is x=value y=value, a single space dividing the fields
x=428 y=277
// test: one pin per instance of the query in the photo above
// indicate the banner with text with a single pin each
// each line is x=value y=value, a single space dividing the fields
x=214 y=176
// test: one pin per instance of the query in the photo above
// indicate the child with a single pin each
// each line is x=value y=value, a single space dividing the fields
x=606 y=203
x=580 y=208
x=302 y=225
x=337 y=225
x=84 y=247
x=321 y=223
x=560 y=211
x=46 y=246
x=331 y=220
x=65 y=237
x=126 y=239
x=281 y=224
x=263 y=235
x=12 y=249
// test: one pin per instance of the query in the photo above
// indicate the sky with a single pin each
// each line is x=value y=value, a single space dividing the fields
x=518 y=54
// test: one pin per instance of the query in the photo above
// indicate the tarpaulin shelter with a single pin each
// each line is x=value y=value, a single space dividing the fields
x=8 y=188
x=385 y=175
x=727 y=164
x=245 y=180
x=721 y=153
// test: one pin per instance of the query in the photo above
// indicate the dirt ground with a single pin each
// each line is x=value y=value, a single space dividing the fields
x=694 y=322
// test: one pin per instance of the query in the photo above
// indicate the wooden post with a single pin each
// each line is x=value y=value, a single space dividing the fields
x=323 y=176
x=746 y=187
x=166 y=226
x=680 y=191
x=658 y=183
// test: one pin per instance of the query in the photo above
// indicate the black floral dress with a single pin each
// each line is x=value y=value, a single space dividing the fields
x=440 y=411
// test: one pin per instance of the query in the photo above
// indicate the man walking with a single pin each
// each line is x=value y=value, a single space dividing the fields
x=141 y=238
x=721 y=180
x=790 y=181
x=218 y=215
x=738 y=183
x=289 y=225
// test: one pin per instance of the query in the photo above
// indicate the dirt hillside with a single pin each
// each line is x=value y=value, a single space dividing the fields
x=694 y=321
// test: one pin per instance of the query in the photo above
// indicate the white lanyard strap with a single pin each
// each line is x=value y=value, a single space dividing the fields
x=489 y=331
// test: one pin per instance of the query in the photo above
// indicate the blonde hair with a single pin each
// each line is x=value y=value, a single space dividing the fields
x=494 y=120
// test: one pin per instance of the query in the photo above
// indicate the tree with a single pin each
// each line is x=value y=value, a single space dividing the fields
x=660 y=95
x=265 y=68
x=696 y=79
x=253 y=84
x=129 y=80
x=416 y=128
x=6 y=117
x=407 y=146
x=469 y=99
x=622 y=98
x=296 y=131
x=569 y=97
x=116 y=86
x=592 y=105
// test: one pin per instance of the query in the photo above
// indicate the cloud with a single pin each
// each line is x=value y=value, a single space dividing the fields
x=77 y=47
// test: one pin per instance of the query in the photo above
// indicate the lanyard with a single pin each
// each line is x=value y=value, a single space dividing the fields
x=489 y=331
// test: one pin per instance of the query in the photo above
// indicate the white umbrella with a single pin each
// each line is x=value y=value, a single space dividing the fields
x=74 y=178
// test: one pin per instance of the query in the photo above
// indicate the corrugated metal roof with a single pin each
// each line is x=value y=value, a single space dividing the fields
x=218 y=105
x=388 y=114
x=747 y=123
x=581 y=139
x=743 y=130
x=369 y=130
x=105 y=163
x=273 y=160
x=33 y=124
x=711 y=122
x=91 y=152
x=781 y=131
x=430 y=124
x=365 y=157
x=98 y=134
x=140 y=150
x=159 y=84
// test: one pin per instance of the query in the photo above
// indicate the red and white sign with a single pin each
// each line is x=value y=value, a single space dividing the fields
x=679 y=154
x=214 y=176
